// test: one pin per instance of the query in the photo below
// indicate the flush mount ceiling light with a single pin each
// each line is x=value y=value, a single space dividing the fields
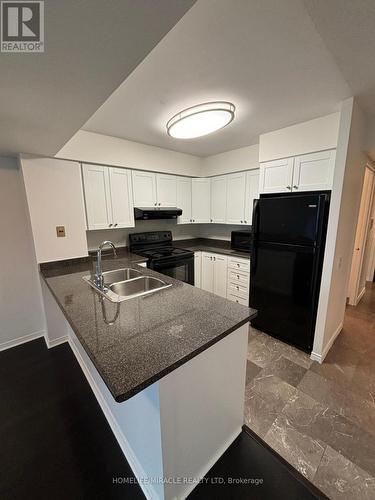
x=201 y=120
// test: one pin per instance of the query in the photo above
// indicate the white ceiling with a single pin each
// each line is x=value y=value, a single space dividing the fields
x=91 y=47
x=265 y=56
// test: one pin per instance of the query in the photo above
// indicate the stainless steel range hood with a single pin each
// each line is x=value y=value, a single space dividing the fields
x=152 y=213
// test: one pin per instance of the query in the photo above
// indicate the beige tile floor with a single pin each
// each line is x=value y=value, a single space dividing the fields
x=320 y=418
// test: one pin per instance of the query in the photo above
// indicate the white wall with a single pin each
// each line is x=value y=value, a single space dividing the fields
x=21 y=309
x=55 y=198
x=120 y=237
x=97 y=148
x=345 y=201
x=307 y=137
x=231 y=161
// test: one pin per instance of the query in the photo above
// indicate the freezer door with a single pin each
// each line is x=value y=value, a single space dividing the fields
x=294 y=219
x=282 y=290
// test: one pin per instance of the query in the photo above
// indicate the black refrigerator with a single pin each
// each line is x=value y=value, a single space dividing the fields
x=286 y=264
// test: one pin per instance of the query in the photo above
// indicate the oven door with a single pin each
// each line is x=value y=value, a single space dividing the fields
x=181 y=269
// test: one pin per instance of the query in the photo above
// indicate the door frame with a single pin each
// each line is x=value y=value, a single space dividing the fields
x=362 y=229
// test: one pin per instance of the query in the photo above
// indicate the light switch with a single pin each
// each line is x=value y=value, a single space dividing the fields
x=60 y=231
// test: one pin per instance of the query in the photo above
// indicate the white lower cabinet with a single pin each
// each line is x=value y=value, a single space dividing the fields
x=214 y=273
x=238 y=284
x=197 y=269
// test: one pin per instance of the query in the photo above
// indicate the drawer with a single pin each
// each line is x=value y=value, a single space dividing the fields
x=237 y=289
x=238 y=277
x=239 y=300
x=239 y=264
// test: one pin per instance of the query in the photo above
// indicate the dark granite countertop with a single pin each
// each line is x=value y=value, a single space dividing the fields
x=210 y=245
x=151 y=335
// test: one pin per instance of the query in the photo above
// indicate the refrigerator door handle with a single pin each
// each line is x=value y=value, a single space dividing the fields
x=255 y=225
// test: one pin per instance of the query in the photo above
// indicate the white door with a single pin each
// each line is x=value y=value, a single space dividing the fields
x=314 y=172
x=166 y=190
x=219 y=199
x=97 y=196
x=251 y=194
x=197 y=269
x=207 y=276
x=121 y=197
x=276 y=176
x=236 y=198
x=184 y=199
x=356 y=289
x=144 y=189
x=220 y=275
x=201 y=200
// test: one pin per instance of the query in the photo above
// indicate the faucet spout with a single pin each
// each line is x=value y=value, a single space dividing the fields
x=99 y=273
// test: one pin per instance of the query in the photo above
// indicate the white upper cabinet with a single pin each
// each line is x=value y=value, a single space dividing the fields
x=236 y=198
x=97 y=196
x=166 y=190
x=144 y=189
x=219 y=199
x=184 y=199
x=309 y=172
x=201 y=200
x=314 y=172
x=108 y=197
x=252 y=193
x=276 y=176
x=121 y=197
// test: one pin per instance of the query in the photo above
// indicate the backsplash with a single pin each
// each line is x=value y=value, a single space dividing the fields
x=179 y=231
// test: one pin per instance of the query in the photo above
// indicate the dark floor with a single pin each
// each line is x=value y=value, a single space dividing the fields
x=320 y=418
x=56 y=443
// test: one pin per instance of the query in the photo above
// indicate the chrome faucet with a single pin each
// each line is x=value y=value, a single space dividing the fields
x=99 y=281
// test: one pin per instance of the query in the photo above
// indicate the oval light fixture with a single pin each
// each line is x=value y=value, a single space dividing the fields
x=200 y=120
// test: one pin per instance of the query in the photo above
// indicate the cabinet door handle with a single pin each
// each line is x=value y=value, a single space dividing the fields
x=295 y=187
x=289 y=187
x=159 y=204
x=238 y=264
x=237 y=287
x=241 y=221
x=155 y=204
x=211 y=220
x=214 y=258
x=115 y=225
x=245 y=221
x=110 y=225
x=238 y=276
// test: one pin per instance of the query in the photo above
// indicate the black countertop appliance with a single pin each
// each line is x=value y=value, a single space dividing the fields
x=289 y=233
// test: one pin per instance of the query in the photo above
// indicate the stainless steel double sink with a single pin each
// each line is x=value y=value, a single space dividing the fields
x=127 y=283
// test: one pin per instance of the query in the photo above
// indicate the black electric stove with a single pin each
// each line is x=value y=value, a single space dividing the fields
x=163 y=257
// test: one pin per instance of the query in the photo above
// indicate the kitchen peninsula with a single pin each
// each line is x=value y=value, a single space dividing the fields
x=168 y=369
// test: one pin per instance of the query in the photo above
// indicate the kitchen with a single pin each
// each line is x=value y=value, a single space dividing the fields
x=148 y=252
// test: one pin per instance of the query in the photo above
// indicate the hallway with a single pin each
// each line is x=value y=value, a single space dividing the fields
x=320 y=418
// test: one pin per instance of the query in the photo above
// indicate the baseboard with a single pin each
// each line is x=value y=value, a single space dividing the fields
x=55 y=342
x=147 y=489
x=320 y=357
x=22 y=340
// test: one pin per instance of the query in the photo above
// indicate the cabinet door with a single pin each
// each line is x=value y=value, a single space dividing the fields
x=97 y=196
x=201 y=200
x=184 y=199
x=251 y=194
x=236 y=198
x=207 y=276
x=276 y=176
x=144 y=189
x=121 y=197
x=166 y=190
x=197 y=269
x=219 y=199
x=220 y=275
x=314 y=172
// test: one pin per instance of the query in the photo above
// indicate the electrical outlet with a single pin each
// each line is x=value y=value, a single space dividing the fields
x=60 y=231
